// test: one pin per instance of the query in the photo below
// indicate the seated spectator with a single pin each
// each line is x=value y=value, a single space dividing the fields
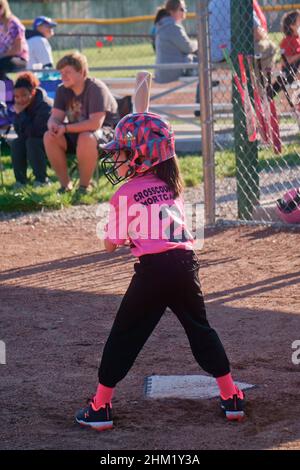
x=290 y=45
x=263 y=46
x=219 y=28
x=172 y=43
x=13 y=45
x=32 y=107
x=161 y=13
x=90 y=109
x=40 y=51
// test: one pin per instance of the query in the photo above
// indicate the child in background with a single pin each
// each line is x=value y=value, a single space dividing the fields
x=33 y=108
x=290 y=45
x=143 y=153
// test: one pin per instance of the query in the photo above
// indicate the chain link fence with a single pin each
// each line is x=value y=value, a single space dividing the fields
x=107 y=50
x=257 y=137
x=255 y=129
x=115 y=58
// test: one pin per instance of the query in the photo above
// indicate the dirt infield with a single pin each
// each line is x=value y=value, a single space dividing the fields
x=59 y=294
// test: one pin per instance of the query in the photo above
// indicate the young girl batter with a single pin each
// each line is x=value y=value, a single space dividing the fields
x=143 y=152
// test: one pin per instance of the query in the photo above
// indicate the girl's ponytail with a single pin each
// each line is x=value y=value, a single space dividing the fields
x=169 y=172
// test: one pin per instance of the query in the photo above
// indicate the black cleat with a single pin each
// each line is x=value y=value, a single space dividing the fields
x=100 y=420
x=234 y=408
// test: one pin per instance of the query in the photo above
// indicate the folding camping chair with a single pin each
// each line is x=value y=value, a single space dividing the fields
x=6 y=116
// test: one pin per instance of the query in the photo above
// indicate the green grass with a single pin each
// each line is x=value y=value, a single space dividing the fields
x=191 y=169
x=267 y=161
x=34 y=199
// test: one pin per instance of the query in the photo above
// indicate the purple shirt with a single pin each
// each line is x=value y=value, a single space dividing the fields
x=15 y=30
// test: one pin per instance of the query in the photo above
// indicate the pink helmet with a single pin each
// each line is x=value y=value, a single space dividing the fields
x=288 y=208
x=147 y=141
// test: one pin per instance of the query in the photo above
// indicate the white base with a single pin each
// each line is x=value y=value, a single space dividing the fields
x=184 y=386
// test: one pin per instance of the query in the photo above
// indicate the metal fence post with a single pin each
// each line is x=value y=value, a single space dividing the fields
x=206 y=110
x=79 y=43
x=245 y=151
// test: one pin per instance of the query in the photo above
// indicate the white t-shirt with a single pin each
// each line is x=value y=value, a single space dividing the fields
x=40 y=51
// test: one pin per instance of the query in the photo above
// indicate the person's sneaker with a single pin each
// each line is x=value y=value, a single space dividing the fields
x=83 y=190
x=19 y=185
x=100 y=420
x=41 y=184
x=233 y=408
x=64 y=190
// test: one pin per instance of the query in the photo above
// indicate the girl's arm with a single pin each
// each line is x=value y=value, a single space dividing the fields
x=115 y=231
x=109 y=246
x=293 y=58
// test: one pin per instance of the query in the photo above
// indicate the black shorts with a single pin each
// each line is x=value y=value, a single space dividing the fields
x=102 y=136
x=71 y=142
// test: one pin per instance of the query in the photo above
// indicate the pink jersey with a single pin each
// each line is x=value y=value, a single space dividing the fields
x=144 y=212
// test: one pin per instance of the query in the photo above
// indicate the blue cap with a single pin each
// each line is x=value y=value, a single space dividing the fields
x=43 y=20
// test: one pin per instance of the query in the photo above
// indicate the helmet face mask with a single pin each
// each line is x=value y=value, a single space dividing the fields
x=110 y=165
x=147 y=141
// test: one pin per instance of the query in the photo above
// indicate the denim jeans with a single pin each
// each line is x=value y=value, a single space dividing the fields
x=29 y=150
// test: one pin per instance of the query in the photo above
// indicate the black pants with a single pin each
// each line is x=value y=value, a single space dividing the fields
x=11 y=64
x=29 y=150
x=162 y=280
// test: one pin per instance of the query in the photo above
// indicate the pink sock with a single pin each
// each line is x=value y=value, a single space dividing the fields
x=227 y=387
x=103 y=395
